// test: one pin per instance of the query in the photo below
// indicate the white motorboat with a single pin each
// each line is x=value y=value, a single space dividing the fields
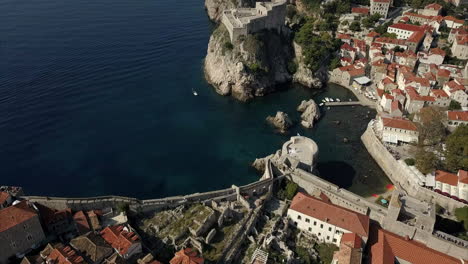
x=331 y=99
x=338 y=99
x=320 y=104
x=194 y=92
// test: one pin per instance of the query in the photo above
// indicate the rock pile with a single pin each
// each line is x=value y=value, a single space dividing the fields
x=310 y=113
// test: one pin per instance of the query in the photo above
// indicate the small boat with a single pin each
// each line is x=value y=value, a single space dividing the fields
x=338 y=100
x=327 y=99
x=194 y=92
x=320 y=104
x=350 y=100
x=323 y=101
x=331 y=99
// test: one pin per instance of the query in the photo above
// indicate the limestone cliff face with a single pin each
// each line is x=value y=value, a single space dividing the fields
x=254 y=66
x=303 y=75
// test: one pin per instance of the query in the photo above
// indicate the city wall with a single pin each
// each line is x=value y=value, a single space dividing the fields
x=395 y=171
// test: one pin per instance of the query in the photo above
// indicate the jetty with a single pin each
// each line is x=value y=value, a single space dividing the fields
x=345 y=103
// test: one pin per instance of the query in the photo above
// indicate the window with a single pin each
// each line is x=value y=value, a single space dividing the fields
x=321 y=225
x=328 y=237
x=299 y=217
x=334 y=240
x=319 y=234
x=307 y=220
x=310 y=229
x=329 y=229
x=315 y=223
x=295 y=223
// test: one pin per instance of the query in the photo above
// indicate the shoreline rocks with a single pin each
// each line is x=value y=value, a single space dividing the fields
x=310 y=113
x=281 y=121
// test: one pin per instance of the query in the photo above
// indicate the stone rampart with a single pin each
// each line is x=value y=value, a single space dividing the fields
x=396 y=172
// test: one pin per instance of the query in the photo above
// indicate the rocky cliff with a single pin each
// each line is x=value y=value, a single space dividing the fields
x=304 y=75
x=254 y=66
x=215 y=8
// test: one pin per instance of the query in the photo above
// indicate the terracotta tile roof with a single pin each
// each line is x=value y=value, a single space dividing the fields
x=404 y=19
x=330 y=213
x=50 y=216
x=446 y=177
x=93 y=246
x=15 y=215
x=437 y=51
x=416 y=37
x=3 y=197
x=388 y=96
x=346 y=68
x=399 y=123
x=359 y=44
x=81 y=222
x=346 y=59
x=418 y=15
x=462 y=40
x=451 y=18
x=360 y=10
x=387 y=40
x=119 y=238
x=433 y=6
x=64 y=255
x=352 y=240
x=454 y=86
x=443 y=73
x=395 y=105
x=457 y=115
x=348 y=47
x=380 y=92
x=343 y=36
x=462 y=81
x=386 y=247
x=186 y=256
x=463 y=176
x=357 y=72
x=439 y=93
x=373 y=34
x=421 y=81
x=407 y=27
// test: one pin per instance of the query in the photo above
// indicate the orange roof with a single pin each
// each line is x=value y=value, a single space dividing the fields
x=390 y=41
x=395 y=105
x=373 y=34
x=357 y=72
x=360 y=10
x=346 y=46
x=399 y=123
x=64 y=255
x=50 y=216
x=407 y=27
x=439 y=93
x=446 y=177
x=330 y=213
x=457 y=115
x=344 y=36
x=462 y=39
x=437 y=51
x=463 y=176
x=451 y=18
x=15 y=215
x=389 y=246
x=454 y=86
x=186 y=256
x=118 y=238
x=433 y=6
x=443 y=73
x=3 y=197
x=81 y=222
x=352 y=240
x=416 y=37
x=418 y=15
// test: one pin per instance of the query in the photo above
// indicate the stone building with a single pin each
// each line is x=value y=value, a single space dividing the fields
x=20 y=230
x=5 y=199
x=300 y=152
x=92 y=246
x=456 y=118
x=380 y=7
x=453 y=185
x=326 y=221
x=460 y=47
x=350 y=250
x=187 y=255
x=433 y=9
x=265 y=15
x=396 y=130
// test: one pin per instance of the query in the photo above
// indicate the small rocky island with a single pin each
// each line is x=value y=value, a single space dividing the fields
x=281 y=121
x=252 y=52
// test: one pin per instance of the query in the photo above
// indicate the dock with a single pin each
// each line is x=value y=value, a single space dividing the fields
x=343 y=103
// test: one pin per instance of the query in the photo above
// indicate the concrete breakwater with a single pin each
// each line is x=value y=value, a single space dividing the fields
x=397 y=172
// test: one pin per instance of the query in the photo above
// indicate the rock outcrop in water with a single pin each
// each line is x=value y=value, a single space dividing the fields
x=254 y=66
x=310 y=113
x=281 y=121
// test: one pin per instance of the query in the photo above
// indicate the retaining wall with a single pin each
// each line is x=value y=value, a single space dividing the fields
x=396 y=172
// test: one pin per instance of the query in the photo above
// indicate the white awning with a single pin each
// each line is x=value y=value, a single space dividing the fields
x=362 y=80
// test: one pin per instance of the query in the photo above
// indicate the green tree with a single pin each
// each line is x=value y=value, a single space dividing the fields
x=462 y=215
x=355 y=26
x=390 y=35
x=431 y=125
x=426 y=161
x=454 y=105
x=456 y=149
x=123 y=207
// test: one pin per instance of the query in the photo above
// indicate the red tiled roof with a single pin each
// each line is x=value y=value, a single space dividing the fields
x=81 y=222
x=373 y=34
x=421 y=81
x=462 y=39
x=360 y=10
x=50 y=216
x=407 y=27
x=457 y=115
x=3 y=197
x=404 y=19
x=330 y=213
x=186 y=256
x=463 y=176
x=418 y=15
x=438 y=51
x=352 y=240
x=344 y=36
x=64 y=255
x=454 y=86
x=395 y=105
x=446 y=177
x=346 y=46
x=391 y=41
x=357 y=72
x=380 y=92
x=439 y=93
x=388 y=96
x=118 y=238
x=15 y=215
x=443 y=73
x=451 y=18
x=413 y=95
x=388 y=246
x=416 y=37
x=433 y=6
x=399 y=123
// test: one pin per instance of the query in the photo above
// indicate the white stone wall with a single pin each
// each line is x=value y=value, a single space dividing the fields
x=401 y=33
x=395 y=135
x=324 y=231
x=463 y=191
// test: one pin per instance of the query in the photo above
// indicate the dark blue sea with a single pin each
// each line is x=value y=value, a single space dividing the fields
x=96 y=98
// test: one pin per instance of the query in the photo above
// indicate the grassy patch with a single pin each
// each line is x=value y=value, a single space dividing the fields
x=326 y=252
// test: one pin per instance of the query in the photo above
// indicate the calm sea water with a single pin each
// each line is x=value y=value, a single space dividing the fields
x=95 y=99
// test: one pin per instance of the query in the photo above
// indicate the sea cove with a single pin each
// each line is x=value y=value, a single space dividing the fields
x=96 y=98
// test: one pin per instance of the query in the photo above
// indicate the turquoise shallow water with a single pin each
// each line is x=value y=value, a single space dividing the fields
x=95 y=99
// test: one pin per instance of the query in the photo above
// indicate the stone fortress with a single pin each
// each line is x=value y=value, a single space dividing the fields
x=265 y=15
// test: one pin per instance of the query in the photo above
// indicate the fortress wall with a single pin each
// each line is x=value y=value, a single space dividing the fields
x=396 y=172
